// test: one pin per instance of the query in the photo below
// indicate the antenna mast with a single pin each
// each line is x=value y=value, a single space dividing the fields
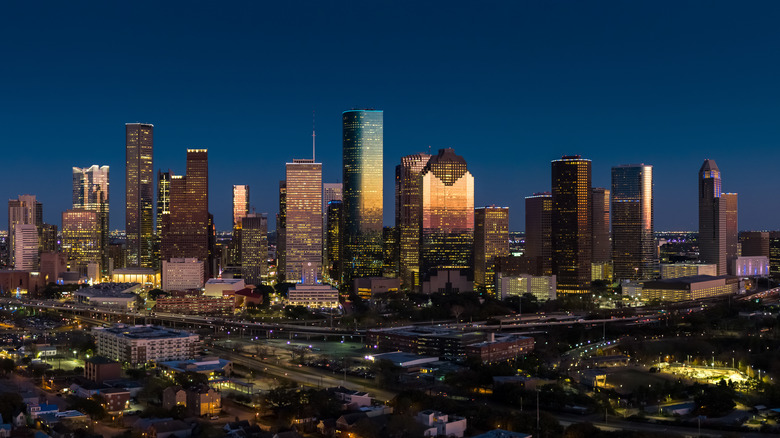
x=313 y=137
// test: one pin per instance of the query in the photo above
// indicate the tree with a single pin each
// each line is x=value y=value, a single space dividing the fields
x=7 y=366
x=191 y=379
x=714 y=401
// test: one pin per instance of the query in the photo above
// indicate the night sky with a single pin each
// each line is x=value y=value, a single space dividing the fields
x=509 y=85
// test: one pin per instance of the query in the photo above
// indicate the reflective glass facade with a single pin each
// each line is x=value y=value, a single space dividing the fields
x=303 y=230
x=491 y=240
x=538 y=237
x=732 y=230
x=408 y=217
x=81 y=236
x=363 y=139
x=571 y=227
x=447 y=195
x=240 y=204
x=139 y=194
x=254 y=248
x=334 y=239
x=90 y=192
x=633 y=244
x=602 y=247
x=712 y=217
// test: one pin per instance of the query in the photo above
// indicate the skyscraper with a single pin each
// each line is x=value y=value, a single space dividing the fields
x=712 y=217
x=571 y=228
x=602 y=248
x=408 y=217
x=754 y=243
x=254 y=248
x=81 y=236
x=240 y=204
x=186 y=232
x=333 y=239
x=447 y=195
x=281 y=236
x=90 y=192
x=362 y=193
x=139 y=190
x=732 y=231
x=303 y=226
x=391 y=252
x=163 y=212
x=491 y=240
x=330 y=192
x=538 y=232
x=25 y=210
x=25 y=253
x=633 y=244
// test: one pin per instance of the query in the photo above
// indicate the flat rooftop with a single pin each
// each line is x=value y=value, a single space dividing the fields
x=145 y=332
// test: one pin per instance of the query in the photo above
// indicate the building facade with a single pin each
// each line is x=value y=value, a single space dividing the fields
x=732 y=230
x=182 y=274
x=25 y=210
x=140 y=344
x=712 y=217
x=491 y=240
x=90 y=192
x=333 y=240
x=25 y=254
x=602 y=247
x=303 y=226
x=538 y=232
x=633 y=243
x=254 y=248
x=81 y=236
x=408 y=217
x=139 y=194
x=363 y=139
x=571 y=229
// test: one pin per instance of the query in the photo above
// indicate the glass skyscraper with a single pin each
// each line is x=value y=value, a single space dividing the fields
x=303 y=230
x=90 y=192
x=447 y=196
x=491 y=240
x=139 y=190
x=408 y=216
x=571 y=227
x=633 y=244
x=712 y=217
x=538 y=238
x=363 y=138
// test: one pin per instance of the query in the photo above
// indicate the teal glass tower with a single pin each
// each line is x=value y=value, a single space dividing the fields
x=362 y=193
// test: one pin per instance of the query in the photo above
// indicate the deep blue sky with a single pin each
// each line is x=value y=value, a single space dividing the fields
x=510 y=85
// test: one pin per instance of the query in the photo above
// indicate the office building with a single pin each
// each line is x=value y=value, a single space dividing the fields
x=754 y=243
x=602 y=247
x=541 y=287
x=141 y=344
x=186 y=232
x=333 y=240
x=712 y=217
x=689 y=288
x=538 y=232
x=240 y=204
x=25 y=210
x=254 y=248
x=491 y=240
x=571 y=229
x=303 y=221
x=81 y=236
x=633 y=244
x=182 y=274
x=391 y=252
x=362 y=193
x=25 y=255
x=331 y=192
x=163 y=212
x=368 y=288
x=408 y=217
x=281 y=234
x=139 y=194
x=447 y=195
x=755 y=266
x=774 y=254
x=678 y=270
x=49 y=241
x=90 y=192
x=732 y=230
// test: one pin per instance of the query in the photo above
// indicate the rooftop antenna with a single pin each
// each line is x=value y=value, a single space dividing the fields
x=313 y=137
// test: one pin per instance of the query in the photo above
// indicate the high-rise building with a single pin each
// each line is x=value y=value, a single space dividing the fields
x=491 y=240
x=49 y=242
x=712 y=217
x=447 y=195
x=186 y=232
x=732 y=230
x=602 y=247
x=90 y=192
x=754 y=243
x=281 y=233
x=81 y=236
x=333 y=239
x=25 y=247
x=254 y=248
x=25 y=210
x=408 y=217
x=303 y=226
x=363 y=141
x=633 y=244
x=330 y=192
x=240 y=204
x=163 y=212
x=571 y=228
x=538 y=233
x=139 y=191
x=774 y=254
x=391 y=252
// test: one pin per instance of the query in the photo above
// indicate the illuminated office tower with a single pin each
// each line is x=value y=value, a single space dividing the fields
x=139 y=194
x=25 y=256
x=390 y=252
x=602 y=247
x=754 y=243
x=447 y=195
x=712 y=217
x=163 y=212
x=240 y=210
x=49 y=242
x=732 y=230
x=186 y=232
x=281 y=237
x=330 y=192
x=633 y=244
x=303 y=224
x=362 y=193
x=254 y=248
x=90 y=192
x=571 y=229
x=25 y=210
x=774 y=254
x=333 y=239
x=491 y=240
x=538 y=233
x=408 y=217
x=81 y=235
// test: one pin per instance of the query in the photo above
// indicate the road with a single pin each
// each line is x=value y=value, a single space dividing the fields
x=657 y=429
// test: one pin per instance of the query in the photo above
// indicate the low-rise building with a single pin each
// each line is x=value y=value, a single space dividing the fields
x=353 y=399
x=199 y=401
x=500 y=348
x=313 y=296
x=216 y=287
x=677 y=270
x=690 y=288
x=448 y=281
x=182 y=274
x=542 y=287
x=117 y=296
x=148 y=278
x=141 y=344
x=367 y=287
x=99 y=369
x=211 y=367
x=196 y=304
x=755 y=266
x=117 y=399
x=439 y=424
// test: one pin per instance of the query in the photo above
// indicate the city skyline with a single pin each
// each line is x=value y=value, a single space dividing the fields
x=699 y=90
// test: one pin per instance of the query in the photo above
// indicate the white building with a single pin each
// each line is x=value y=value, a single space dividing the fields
x=316 y=296
x=118 y=296
x=182 y=274
x=140 y=344
x=25 y=247
x=216 y=286
x=756 y=266
x=678 y=270
x=439 y=424
x=542 y=287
